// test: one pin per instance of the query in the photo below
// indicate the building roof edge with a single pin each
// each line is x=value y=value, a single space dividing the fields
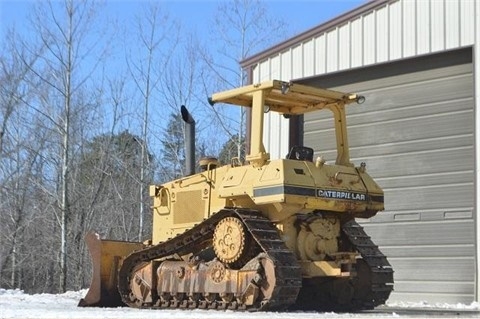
x=310 y=33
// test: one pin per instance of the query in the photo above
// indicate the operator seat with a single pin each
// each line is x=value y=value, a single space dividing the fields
x=301 y=153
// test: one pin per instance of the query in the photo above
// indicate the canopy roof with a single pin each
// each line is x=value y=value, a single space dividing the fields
x=285 y=97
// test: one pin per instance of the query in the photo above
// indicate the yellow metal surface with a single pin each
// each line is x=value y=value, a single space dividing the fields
x=258 y=156
x=317 y=239
x=305 y=198
x=322 y=269
x=143 y=281
x=106 y=256
x=281 y=189
x=284 y=97
x=291 y=99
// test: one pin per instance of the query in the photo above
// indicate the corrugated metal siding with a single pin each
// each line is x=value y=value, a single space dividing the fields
x=416 y=134
x=394 y=30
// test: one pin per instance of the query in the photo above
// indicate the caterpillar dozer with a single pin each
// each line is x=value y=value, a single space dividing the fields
x=269 y=234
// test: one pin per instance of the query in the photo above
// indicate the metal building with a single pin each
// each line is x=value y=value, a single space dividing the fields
x=418 y=132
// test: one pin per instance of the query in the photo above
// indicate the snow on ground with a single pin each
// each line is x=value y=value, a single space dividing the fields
x=439 y=306
x=16 y=304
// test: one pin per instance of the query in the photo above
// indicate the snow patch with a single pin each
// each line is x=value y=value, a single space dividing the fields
x=16 y=304
x=425 y=305
x=11 y=291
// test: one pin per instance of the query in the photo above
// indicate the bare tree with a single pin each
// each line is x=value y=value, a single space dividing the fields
x=66 y=167
x=67 y=31
x=15 y=64
x=182 y=78
x=17 y=154
x=240 y=28
x=158 y=37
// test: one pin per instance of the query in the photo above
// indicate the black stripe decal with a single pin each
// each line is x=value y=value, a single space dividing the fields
x=301 y=191
x=376 y=198
x=322 y=193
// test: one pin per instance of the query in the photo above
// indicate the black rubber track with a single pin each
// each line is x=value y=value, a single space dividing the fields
x=375 y=291
x=288 y=279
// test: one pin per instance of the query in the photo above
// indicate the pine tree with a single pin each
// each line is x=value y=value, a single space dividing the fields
x=173 y=155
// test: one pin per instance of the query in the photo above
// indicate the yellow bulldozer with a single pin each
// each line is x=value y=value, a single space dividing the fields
x=263 y=235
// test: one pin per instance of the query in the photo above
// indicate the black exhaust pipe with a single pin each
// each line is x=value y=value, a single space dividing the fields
x=189 y=140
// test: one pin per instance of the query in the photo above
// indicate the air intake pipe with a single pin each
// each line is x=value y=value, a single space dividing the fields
x=189 y=140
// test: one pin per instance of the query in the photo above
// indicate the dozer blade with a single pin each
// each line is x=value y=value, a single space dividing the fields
x=107 y=256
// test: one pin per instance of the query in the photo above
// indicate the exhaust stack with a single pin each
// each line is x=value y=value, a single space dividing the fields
x=189 y=140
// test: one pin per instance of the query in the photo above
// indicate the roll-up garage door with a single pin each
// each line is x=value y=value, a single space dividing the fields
x=416 y=133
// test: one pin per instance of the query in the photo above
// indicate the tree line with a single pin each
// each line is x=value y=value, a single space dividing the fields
x=89 y=117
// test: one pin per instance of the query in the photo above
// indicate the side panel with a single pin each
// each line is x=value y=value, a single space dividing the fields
x=179 y=205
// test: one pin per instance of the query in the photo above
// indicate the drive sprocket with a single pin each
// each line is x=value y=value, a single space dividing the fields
x=229 y=240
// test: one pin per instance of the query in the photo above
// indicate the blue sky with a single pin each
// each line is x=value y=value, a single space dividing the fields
x=195 y=14
x=301 y=15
